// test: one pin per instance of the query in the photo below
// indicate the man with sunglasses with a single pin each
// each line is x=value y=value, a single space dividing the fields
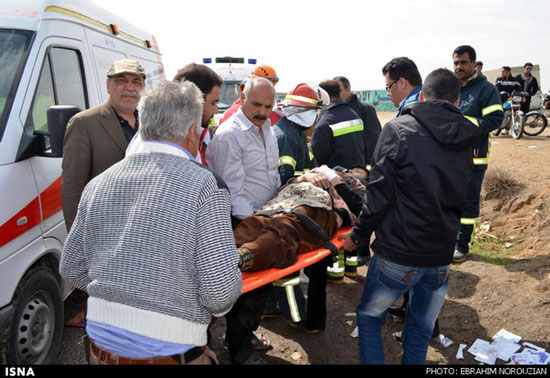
x=403 y=82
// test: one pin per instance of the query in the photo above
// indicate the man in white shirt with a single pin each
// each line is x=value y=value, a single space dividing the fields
x=244 y=151
x=245 y=154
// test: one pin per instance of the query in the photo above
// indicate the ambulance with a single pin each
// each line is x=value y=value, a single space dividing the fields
x=233 y=71
x=54 y=55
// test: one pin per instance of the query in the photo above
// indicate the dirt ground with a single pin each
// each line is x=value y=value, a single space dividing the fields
x=504 y=284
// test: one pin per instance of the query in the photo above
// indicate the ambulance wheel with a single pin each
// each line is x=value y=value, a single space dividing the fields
x=36 y=327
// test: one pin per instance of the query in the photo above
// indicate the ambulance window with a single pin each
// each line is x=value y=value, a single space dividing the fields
x=43 y=99
x=63 y=86
x=67 y=73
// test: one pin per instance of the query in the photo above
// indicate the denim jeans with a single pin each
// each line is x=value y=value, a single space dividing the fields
x=387 y=281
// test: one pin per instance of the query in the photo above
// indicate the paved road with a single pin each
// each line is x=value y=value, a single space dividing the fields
x=72 y=349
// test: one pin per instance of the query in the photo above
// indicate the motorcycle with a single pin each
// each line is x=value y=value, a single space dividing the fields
x=536 y=121
x=513 y=116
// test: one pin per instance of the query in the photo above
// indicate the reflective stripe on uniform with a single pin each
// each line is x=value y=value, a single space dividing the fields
x=311 y=157
x=287 y=160
x=490 y=109
x=481 y=161
x=473 y=120
x=347 y=127
x=468 y=221
x=337 y=269
x=301 y=172
x=368 y=167
x=287 y=282
x=351 y=261
x=302 y=98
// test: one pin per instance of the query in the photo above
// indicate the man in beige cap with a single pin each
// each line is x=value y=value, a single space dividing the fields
x=97 y=138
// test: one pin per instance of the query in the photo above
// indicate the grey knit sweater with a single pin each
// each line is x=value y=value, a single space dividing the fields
x=153 y=247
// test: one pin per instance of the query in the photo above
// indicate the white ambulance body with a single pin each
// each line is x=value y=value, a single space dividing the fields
x=51 y=53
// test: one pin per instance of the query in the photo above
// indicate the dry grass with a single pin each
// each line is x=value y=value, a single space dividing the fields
x=499 y=184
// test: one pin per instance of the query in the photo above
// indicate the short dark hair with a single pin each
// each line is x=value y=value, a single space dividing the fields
x=466 y=49
x=506 y=68
x=441 y=84
x=332 y=87
x=203 y=77
x=344 y=80
x=528 y=64
x=403 y=67
x=479 y=63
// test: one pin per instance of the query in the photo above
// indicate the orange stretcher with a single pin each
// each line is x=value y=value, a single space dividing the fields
x=254 y=280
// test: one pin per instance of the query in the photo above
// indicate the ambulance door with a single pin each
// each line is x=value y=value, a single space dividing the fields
x=61 y=81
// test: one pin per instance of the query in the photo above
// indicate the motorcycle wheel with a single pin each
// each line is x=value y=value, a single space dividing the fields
x=534 y=123
x=516 y=126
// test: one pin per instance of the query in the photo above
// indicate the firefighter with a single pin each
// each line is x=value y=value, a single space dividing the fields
x=480 y=103
x=300 y=110
x=339 y=141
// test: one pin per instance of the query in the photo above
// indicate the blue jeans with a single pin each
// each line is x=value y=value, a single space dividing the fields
x=387 y=281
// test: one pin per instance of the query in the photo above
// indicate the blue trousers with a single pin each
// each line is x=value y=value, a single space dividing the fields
x=387 y=281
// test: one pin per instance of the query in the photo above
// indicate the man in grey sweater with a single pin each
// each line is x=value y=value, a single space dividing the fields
x=154 y=281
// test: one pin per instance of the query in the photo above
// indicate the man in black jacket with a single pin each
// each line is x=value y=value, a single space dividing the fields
x=367 y=113
x=338 y=139
x=529 y=84
x=371 y=131
x=422 y=165
x=507 y=83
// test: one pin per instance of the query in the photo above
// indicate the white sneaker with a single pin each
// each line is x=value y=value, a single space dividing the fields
x=459 y=256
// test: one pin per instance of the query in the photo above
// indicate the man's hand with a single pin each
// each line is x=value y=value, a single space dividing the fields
x=349 y=245
x=330 y=174
x=316 y=179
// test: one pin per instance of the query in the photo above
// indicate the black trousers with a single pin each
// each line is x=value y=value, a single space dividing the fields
x=243 y=320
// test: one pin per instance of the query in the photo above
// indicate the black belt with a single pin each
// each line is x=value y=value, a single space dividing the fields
x=311 y=225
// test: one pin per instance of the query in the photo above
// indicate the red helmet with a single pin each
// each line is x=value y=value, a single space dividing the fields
x=304 y=95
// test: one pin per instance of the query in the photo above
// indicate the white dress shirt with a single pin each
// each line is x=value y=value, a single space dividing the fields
x=246 y=162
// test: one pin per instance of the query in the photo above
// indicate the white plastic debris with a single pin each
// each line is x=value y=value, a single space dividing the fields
x=504 y=334
x=477 y=345
x=506 y=348
x=487 y=354
x=530 y=357
x=355 y=333
x=532 y=346
x=460 y=353
x=443 y=340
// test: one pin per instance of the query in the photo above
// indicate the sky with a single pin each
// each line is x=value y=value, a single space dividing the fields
x=317 y=40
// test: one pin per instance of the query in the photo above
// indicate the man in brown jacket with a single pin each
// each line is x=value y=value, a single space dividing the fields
x=97 y=138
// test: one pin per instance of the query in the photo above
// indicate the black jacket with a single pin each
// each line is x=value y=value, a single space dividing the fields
x=371 y=125
x=509 y=85
x=417 y=185
x=338 y=139
x=533 y=86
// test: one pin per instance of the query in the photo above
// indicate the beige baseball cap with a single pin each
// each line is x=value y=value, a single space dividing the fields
x=126 y=66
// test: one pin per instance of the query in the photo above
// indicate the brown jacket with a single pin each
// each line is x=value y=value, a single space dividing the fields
x=94 y=141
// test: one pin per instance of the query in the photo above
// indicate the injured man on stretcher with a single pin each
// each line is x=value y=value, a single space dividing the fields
x=300 y=218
